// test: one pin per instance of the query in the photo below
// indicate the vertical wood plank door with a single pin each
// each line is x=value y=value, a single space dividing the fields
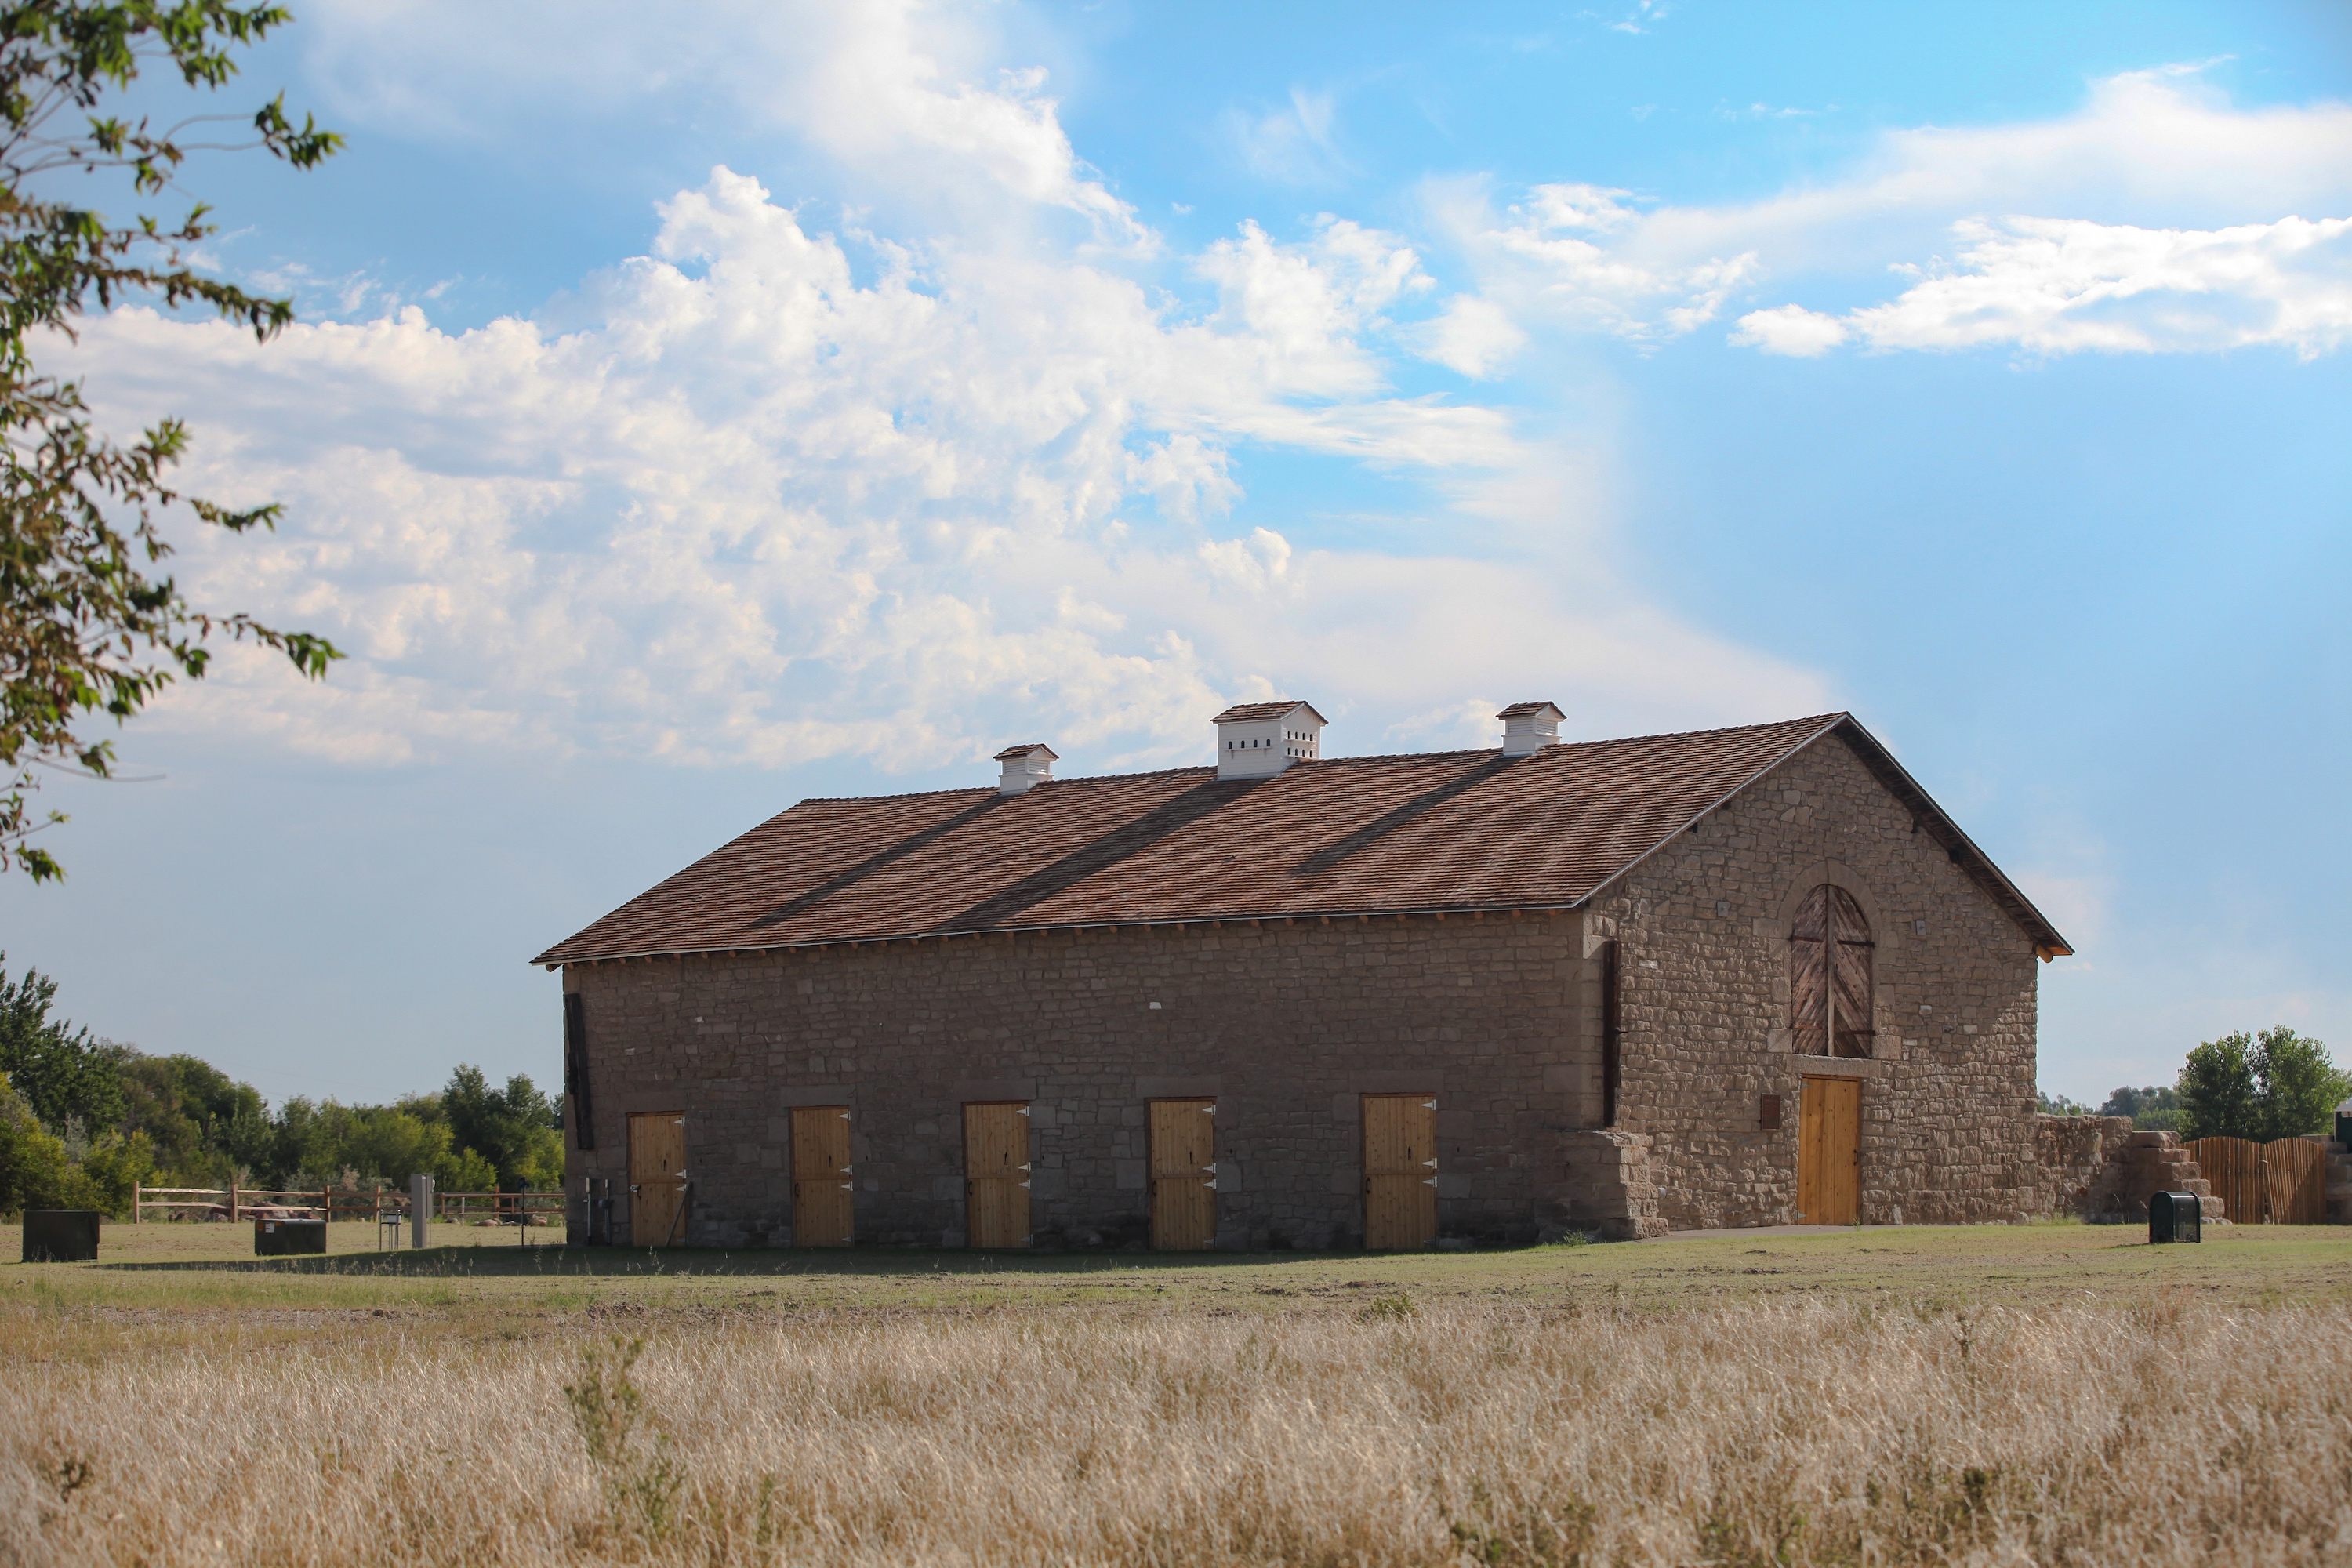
x=1183 y=1175
x=657 y=1179
x=1400 y=1170
x=996 y=1175
x=1829 y=1153
x=823 y=1202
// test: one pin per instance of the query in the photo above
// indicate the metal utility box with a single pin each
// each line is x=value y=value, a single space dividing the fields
x=2344 y=1124
x=60 y=1236
x=289 y=1237
x=2176 y=1216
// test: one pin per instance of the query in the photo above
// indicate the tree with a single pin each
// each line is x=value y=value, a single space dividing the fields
x=2276 y=1084
x=65 y=1076
x=204 y=1124
x=2300 y=1086
x=2154 y=1108
x=2218 y=1097
x=89 y=623
x=515 y=1129
x=2059 y=1105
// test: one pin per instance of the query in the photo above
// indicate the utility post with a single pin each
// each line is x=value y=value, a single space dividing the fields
x=420 y=1208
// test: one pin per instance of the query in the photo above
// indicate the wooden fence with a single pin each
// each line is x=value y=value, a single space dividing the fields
x=2284 y=1181
x=235 y=1203
x=2297 y=1172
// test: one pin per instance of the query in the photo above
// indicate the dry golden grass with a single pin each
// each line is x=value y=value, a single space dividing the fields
x=1788 y=1429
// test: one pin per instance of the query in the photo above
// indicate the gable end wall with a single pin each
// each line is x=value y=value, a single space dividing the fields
x=1947 y=1102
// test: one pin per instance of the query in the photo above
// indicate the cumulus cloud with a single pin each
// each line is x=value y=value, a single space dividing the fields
x=907 y=93
x=2067 y=286
x=752 y=491
x=1789 y=330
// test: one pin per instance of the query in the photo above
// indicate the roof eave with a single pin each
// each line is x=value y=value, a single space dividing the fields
x=2048 y=943
x=555 y=958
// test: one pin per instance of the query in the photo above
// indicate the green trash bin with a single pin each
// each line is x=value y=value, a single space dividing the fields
x=289 y=1237
x=60 y=1236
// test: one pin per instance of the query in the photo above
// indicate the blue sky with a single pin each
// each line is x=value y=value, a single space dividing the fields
x=687 y=421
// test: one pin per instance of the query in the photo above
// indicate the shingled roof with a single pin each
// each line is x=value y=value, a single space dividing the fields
x=1441 y=831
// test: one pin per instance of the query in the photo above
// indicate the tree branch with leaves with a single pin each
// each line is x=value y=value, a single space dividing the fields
x=90 y=622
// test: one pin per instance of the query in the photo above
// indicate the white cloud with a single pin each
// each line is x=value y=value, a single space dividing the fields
x=2150 y=153
x=1472 y=337
x=2066 y=286
x=1789 y=330
x=1295 y=144
x=1563 y=254
x=907 y=93
x=743 y=497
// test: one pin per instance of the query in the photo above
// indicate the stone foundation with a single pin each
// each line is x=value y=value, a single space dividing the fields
x=1609 y=1181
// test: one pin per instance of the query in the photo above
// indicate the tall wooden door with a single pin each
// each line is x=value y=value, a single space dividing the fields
x=1399 y=1170
x=1183 y=1175
x=823 y=1201
x=996 y=1175
x=657 y=1179
x=1829 y=1153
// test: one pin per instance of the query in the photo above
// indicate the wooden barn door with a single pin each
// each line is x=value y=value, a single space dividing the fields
x=2235 y=1168
x=1400 y=1170
x=657 y=1179
x=1829 y=1153
x=823 y=1202
x=996 y=1175
x=1183 y=1175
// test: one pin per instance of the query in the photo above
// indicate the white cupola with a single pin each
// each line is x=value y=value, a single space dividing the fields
x=1258 y=739
x=1530 y=727
x=1025 y=767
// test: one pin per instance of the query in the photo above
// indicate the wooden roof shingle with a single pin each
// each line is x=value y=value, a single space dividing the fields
x=1430 y=832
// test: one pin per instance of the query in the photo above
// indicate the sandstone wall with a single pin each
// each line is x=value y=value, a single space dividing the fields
x=2082 y=1164
x=1286 y=1024
x=1948 y=1100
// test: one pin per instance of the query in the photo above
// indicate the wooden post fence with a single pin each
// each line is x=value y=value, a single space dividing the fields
x=2284 y=1181
x=234 y=1202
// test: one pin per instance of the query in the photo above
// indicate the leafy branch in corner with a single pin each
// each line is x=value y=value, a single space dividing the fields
x=90 y=622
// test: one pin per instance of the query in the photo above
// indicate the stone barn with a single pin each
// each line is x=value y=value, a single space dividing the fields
x=1741 y=976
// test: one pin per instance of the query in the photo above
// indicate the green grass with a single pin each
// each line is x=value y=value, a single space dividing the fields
x=197 y=1277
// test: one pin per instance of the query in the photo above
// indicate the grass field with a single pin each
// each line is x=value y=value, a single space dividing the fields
x=1989 y=1394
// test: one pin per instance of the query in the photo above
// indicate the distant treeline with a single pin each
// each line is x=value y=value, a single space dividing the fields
x=2274 y=1084
x=82 y=1119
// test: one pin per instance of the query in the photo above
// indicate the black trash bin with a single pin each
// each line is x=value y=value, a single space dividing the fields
x=289 y=1237
x=2176 y=1216
x=60 y=1236
x=2344 y=1124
